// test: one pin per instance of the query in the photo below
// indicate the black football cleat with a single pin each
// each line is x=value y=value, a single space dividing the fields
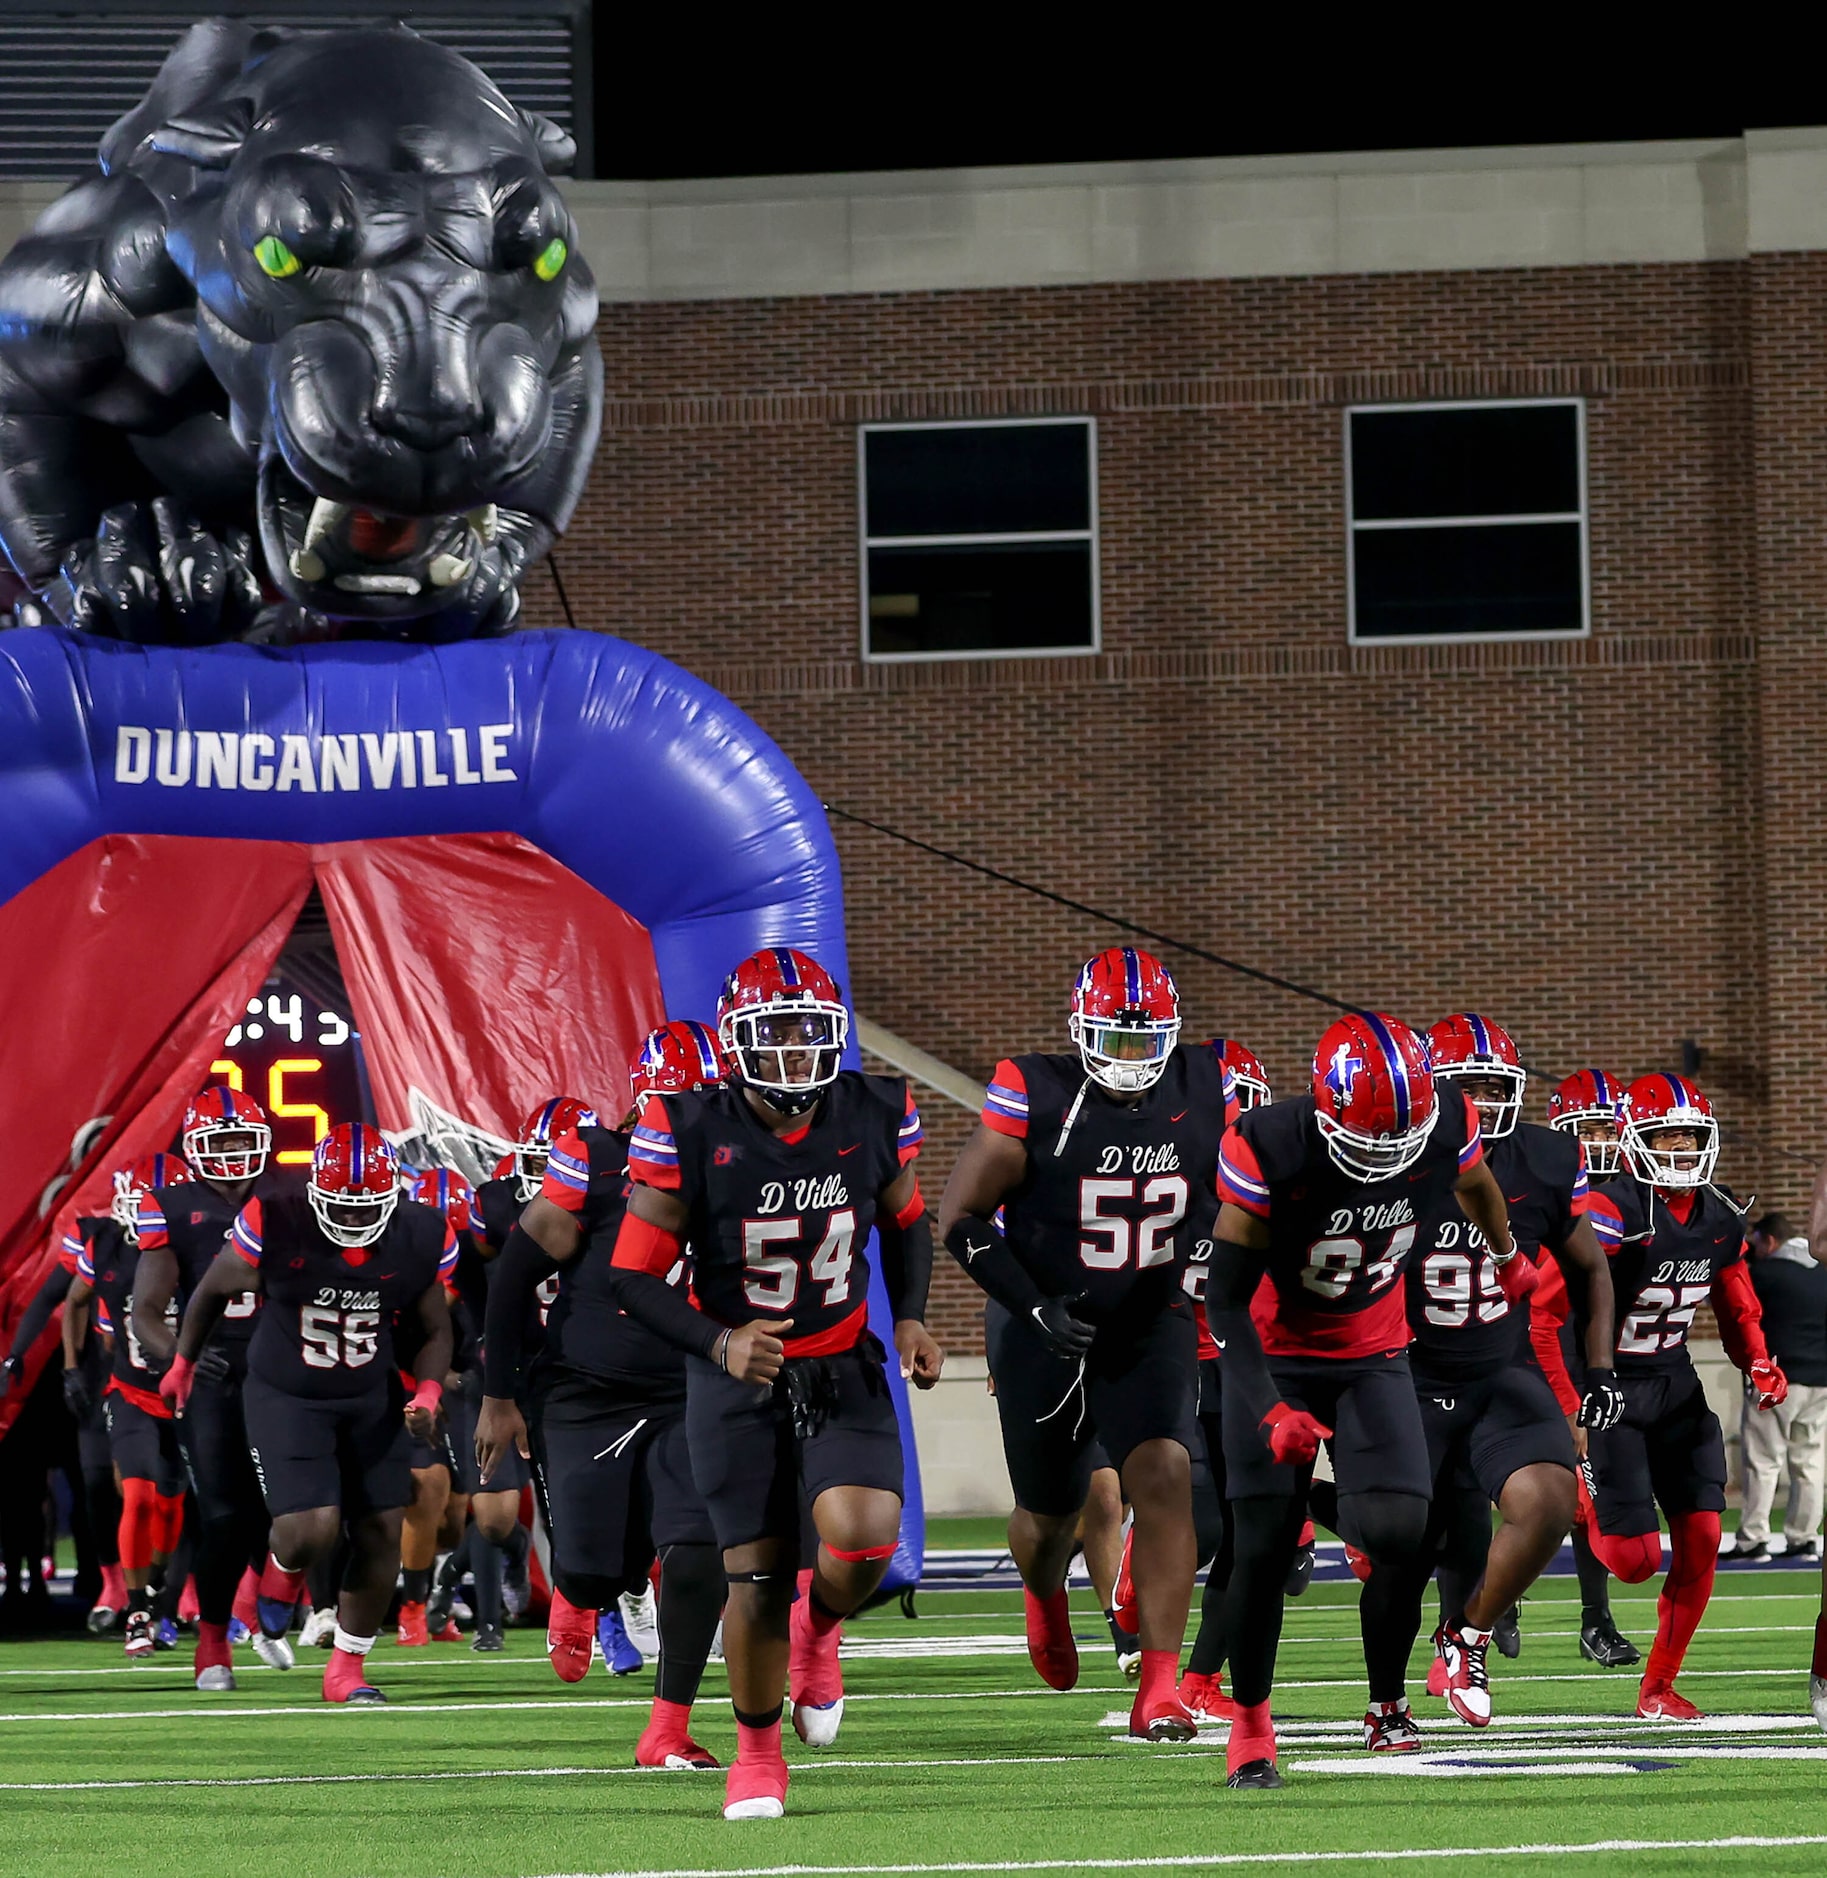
x=1254 y=1776
x=1506 y=1633
x=487 y=1637
x=1602 y=1642
x=1300 y=1574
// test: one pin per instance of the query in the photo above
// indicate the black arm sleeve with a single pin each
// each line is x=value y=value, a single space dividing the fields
x=991 y=1266
x=666 y=1312
x=1235 y=1274
x=907 y=1264
x=512 y=1280
x=38 y=1313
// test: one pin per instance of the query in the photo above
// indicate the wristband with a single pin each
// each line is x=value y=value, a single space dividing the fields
x=723 y=1351
x=1508 y=1256
x=427 y=1396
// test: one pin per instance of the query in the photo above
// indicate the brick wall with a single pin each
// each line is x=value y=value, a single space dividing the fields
x=1571 y=836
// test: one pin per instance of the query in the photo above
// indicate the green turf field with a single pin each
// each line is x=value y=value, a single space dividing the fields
x=953 y=1758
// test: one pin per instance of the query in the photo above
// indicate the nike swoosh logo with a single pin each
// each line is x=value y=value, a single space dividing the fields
x=1516 y=1199
x=1219 y=1341
x=849 y=1150
x=1178 y=1118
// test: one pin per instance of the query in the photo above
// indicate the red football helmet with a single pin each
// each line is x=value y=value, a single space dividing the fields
x=1125 y=1019
x=354 y=1184
x=679 y=1055
x=149 y=1171
x=225 y=1135
x=1248 y=1077
x=783 y=1023
x=1473 y=1049
x=1653 y=1104
x=1586 y=1106
x=445 y=1189
x=1373 y=1095
x=555 y=1116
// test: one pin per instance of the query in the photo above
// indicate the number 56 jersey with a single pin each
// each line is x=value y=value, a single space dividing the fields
x=1338 y=1246
x=780 y=1224
x=1101 y=1211
x=327 y=1327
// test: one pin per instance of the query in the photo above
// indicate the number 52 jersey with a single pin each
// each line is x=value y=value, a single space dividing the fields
x=327 y=1328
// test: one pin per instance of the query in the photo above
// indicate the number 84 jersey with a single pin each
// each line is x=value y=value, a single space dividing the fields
x=327 y=1328
x=1106 y=1194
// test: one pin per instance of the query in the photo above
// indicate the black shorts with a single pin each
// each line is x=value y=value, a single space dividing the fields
x=1481 y=1431
x=1378 y=1444
x=349 y=1452
x=1138 y=1384
x=752 y=1468
x=214 y=1436
x=143 y=1446
x=461 y=1408
x=616 y=1479
x=1668 y=1451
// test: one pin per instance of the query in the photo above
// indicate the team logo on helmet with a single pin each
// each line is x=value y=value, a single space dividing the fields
x=1373 y=1095
x=1248 y=1077
x=679 y=1055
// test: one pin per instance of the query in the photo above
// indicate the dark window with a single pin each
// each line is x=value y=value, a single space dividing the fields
x=1467 y=521
x=979 y=539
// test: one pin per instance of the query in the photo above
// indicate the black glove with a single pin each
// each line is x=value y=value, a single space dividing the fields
x=76 y=1396
x=12 y=1370
x=213 y=1365
x=1602 y=1406
x=1066 y=1335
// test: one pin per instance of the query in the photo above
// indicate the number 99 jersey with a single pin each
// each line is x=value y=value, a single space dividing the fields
x=1102 y=1208
x=326 y=1331
x=1337 y=1245
x=780 y=1224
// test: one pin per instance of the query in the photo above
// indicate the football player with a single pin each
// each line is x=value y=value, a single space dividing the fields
x=1495 y=1432
x=1324 y=1194
x=1585 y=1105
x=1675 y=1241
x=144 y=1443
x=183 y=1226
x=1092 y=1160
x=608 y=1409
x=776 y=1179
x=327 y=1421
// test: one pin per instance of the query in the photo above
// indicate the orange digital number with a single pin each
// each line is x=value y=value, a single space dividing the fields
x=278 y=1104
x=228 y=1069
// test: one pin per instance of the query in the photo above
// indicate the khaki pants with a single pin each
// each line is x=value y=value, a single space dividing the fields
x=1788 y=1438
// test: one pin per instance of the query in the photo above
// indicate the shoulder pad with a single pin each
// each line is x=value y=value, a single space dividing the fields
x=1551 y=1154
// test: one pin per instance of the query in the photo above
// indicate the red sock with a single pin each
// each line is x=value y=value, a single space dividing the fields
x=212 y=1646
x=114 y=1588
x=653 y=1575
x=673 y=1720
x=820 y=1620
x=758 y=1744
x=1160 y=1679
x=1306 y=1533
x=139 y=1519
x=167 y=1523
x=1820 y=1646
x=1252 y=1737
x=1694 y=1539
x=245 y=1594
x=279 y=1584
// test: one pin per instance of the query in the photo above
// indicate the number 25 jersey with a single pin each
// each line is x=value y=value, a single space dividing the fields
x=327 y=1327
x=1662 y=1266
x=1101 y=1212
x=1337 y=1246
x=779 y=1224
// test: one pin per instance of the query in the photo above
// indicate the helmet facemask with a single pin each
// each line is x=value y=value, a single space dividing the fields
x=1674 y=1170
x=351 y=1219
x=1125 y=1052
x=1603 y=1152
x=1371 y=1158
x=124 y=1208
x=789 y=1050
x=1498 y=1113
x=229 y=1151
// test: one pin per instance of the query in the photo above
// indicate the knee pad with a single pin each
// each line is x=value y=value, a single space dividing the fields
x=1629 y=1557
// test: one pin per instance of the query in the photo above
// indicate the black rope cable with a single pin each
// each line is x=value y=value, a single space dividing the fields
x=558 y=581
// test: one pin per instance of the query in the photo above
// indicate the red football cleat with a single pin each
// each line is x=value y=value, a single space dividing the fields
x=1661 y=1701
x=1360 y=1565
x=570 y=1637
x=1051 y=1648
x=1204 y=1699
x=665 y=1743
x=449 y=1634
x=815 y=1682
x=755 y=1790
x=189 y=1610
x=346 y=1680
x=413 y=1635
x=1123 y=1600
x=1166 y=1718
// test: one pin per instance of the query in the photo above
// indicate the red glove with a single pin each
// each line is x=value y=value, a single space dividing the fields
x=1517 y=1276
x=1769 y=1382
x=427 y=1397
x=1294 y=1435
x=174 y=1385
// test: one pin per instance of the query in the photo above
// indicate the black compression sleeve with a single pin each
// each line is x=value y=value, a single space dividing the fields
x=512 y=1280
x=984 y=1253
x=38 y=1313
x=907 y=1264
x=1236 y=1272
x=666 y=1312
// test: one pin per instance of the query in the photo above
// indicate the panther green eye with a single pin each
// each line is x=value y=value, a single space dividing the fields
x=550 y=260
x=277 y=261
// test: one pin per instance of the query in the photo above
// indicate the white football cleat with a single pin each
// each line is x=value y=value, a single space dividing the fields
x=1817 y=1698
x=817 y=1723
x=319 y=1632
x=276 y=1652
x=640 y=1621
x=217 y=1678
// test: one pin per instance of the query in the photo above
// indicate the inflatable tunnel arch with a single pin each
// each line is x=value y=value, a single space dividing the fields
x=530 y=850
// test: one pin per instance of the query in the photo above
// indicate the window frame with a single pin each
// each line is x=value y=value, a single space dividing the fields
x=866 y=541
x=1353 y=526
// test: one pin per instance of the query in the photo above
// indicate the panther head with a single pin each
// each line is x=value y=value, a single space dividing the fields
x=389 y=293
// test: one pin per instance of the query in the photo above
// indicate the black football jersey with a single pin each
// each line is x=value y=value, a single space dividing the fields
x=498 y=1206
x=586 y=1330
x=1105 y=1208
x=1337 y=1246
x=779 y=1224
x=327 y=1328
x=194 y=1219
x=1463 y=1324
x=1662 y=1267
x=107 y=1261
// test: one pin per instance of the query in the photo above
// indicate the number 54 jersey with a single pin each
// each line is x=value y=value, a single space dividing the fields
x=1337 y=1246
x=1102 y=1209
x=327 y=1327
